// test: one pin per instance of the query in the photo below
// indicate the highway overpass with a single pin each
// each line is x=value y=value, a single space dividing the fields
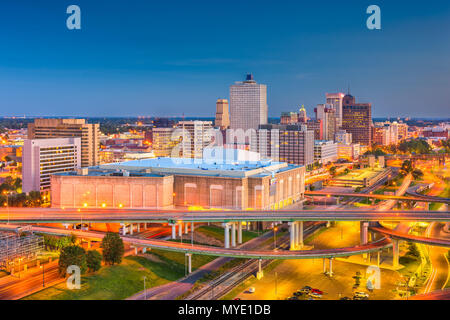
x=415 y=197
x=43 y=215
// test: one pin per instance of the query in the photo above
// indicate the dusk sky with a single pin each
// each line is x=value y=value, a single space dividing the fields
x=163 y=58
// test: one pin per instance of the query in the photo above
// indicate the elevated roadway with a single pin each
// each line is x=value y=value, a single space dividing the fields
x=408 y=237
x=43 y=215
x=216 y=251
x=416 y=197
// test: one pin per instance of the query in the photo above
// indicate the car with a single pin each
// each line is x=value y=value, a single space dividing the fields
x=345 y=298
x=315 y=295
x=305 y=289
x=317 y=291
x=360 y=295
x=298 y=293
x=237 y=299
x=251 y=290
x=292 y=298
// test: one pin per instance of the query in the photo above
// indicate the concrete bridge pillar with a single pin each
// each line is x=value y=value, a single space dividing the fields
x=239 y=232
x=180 y=229
x=174 y=231
x=186 y=227
x=227 y=235
x=378 y=258
x=300 y=234
x=138 y=227
x=131 y=229
x=364 y=232
x=395 y=253
x=144 y=250
x=324 y=266
x=330 y=273
x=233 y=234
x=292 y=236
x=192 y=226
x=189 y=257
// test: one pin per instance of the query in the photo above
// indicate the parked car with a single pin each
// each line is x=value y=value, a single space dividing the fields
x=251 y=290
x=315 y=295
x=359 y=295
x=345 y=298
x=317 y=291
x=298 y=293
x=305 y=289
x=292 y=298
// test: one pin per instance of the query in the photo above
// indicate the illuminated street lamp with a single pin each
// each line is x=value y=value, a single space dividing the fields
x=43 y=275
x=275 y=237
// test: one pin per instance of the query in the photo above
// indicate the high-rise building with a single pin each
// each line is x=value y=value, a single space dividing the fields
x=317 y=127
x=289 y=118
x=327 y=115
x=163 y=142
x=248 y=104
x=336 y=100
x=70 y=128
x=44 y=157
x=357 y=120
x=195 y=135
x=302 y=117
x=293 y=144
x=222 y=114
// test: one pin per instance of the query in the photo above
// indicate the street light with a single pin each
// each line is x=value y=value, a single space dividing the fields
x=275 y=237
x=145 y=290
x=43 y=275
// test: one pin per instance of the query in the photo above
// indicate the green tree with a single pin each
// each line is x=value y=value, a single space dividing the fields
x=412 y=250
x=113 y=248
x=72 y=255
x=333 y=171
x=93 y=260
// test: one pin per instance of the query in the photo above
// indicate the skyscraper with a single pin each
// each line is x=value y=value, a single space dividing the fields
x=293 y=143
x=248 y=104
x=70 y=128
x=44 y=157
x=327 y=114
x=336 y=99
x=357 y=120
x=222 y=114
x=196 y=135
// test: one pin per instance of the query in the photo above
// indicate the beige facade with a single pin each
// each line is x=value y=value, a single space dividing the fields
x=70 y=128
x=222 y=114
x=262 y=193
x=78 y=191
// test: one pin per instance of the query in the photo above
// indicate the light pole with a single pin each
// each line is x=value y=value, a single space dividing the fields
x=145 y=290
x=276 y=285
x=275 y=237
x=43 y=275
x=6 y=193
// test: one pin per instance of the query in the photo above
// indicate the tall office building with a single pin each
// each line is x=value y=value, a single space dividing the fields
x=44 y=157
x=293 y=144
x=248 y=104
x=222 y=114
x=196 y=135
x=336 y=100
x=70 y=128
x=357 y=120
x=162 y=141
x=327 y=114
x=302 y=117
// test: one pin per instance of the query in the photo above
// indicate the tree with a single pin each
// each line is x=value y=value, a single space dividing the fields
x=333 y=171
x=417 y=174
x=93 y=260
x=113 y=248
x=72 y=255
x=412 y=250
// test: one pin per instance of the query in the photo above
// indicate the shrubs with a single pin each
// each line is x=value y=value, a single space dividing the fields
x=113 y=248
x=72 y=255
x=93 y=260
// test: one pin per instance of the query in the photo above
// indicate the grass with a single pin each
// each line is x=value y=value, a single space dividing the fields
x=444 y=194
x=179 y=258
x=115 y=282
x=219 y=234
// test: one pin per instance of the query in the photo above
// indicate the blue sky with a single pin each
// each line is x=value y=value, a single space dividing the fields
x=163 y=58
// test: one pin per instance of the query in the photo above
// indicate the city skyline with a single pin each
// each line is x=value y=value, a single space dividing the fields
x=150 y=65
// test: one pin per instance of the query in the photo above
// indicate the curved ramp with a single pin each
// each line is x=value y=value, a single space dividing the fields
x=412 y=238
